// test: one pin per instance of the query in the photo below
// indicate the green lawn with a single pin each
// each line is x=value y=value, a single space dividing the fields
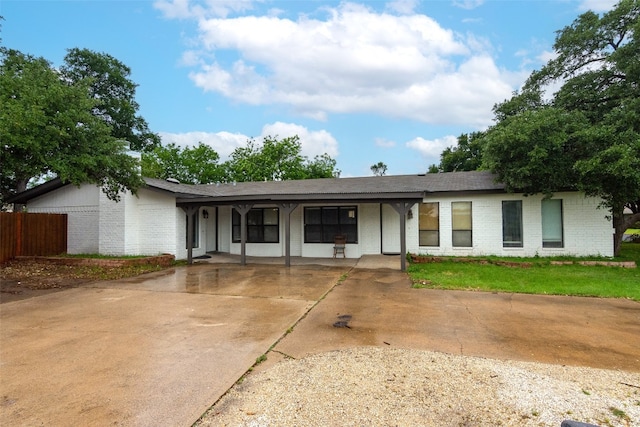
x=540 y=278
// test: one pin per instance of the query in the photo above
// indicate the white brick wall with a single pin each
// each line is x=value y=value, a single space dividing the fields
x=111 y=226
x=151 y=224
x=586 y=230
x=156 y=223
x=81 y=207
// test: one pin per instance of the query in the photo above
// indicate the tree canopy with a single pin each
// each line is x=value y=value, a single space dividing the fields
x=585 y=136
x=111 y=86
x=277 y=160
x=271 y=160
x=197 y=165
x=49 y=126
x=465 y=156
x=379 y=169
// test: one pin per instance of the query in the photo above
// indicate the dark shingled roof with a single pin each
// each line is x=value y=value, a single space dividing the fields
x=370 y=188
x=396 y=187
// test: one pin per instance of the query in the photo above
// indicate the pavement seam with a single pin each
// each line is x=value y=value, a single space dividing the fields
x=340 y=281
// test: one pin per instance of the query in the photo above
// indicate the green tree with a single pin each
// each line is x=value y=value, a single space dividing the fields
x=197 y=165
x=379 y=169
x=322 y=166
x=276 y=160
x=47 y=127
x=112 y=88
x=587 y=136
x=465 y=156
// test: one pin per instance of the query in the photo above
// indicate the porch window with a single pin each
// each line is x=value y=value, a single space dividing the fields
x=196 y=226
x=323 y=223
x=512 y=224
x=462 y=232
x=430 y=224
x=263 y=226
x=552 y=230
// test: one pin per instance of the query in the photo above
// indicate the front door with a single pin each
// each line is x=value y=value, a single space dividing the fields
x=390 y=230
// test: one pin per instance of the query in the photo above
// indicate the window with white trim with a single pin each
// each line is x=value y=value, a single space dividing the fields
x=323 y=223
x=512 y=224
x=429 y=223
x=263 y=226
x=461 y=224
x=552 y=228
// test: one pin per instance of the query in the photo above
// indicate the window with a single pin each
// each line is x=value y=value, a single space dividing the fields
x=461 y=224
x=512 y=224
x=552 y=231
x=322 y=224
x=262 y=226
x=430 y=224
x=196 y=226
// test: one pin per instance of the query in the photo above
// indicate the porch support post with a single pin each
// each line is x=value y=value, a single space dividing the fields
x=190 y=211
x=287 y=208
x=402 y=209
x=242 y=210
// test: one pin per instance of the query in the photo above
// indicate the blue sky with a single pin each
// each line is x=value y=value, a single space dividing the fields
x=364 y=81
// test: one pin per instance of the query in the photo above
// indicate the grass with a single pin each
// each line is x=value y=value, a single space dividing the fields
x=540 y=278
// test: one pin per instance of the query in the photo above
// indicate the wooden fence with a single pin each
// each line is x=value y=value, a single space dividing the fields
x=31 y=234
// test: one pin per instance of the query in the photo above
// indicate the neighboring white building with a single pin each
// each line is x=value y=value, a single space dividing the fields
x=459 y=213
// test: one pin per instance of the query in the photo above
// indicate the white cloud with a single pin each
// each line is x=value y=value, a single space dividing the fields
x=597 y=5
x=384 y=143
x=185 y=9
x=313 y=142
x=222 y=142
x=355 y=60
x=431 y=149
x=468 y=4
x=403 y=7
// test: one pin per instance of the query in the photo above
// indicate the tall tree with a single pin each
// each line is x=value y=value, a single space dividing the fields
x=465 y=156
x=47 y=127
x=114 y=91
x=379 y=169
x=276 y=160
x=587 y=135
x=197 y=165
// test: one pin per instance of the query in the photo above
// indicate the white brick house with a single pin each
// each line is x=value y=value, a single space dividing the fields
x=460 y=213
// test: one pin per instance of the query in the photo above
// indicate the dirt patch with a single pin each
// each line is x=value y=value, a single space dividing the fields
x=29 y=277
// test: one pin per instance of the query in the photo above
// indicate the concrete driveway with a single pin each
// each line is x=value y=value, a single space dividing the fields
x=379 y=308
x=160 y=350
x=157 y=350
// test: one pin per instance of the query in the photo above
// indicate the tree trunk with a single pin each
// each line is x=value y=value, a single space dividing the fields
x=21 y=185
x=620 y=225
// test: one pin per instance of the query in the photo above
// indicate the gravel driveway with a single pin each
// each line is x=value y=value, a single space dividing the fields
x=374 y=386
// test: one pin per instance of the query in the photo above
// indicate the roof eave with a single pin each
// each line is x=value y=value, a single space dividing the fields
x=30 y=194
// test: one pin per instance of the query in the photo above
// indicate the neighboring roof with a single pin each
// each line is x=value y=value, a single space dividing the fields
x=371 y=188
